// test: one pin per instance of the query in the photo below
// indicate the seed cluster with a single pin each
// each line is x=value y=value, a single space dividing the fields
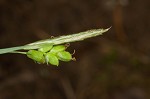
x=50 y=54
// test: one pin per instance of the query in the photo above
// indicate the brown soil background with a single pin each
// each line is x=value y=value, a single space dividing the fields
x=113 y=66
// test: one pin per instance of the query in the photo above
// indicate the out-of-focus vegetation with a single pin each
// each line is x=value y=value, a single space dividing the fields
x=113 y=66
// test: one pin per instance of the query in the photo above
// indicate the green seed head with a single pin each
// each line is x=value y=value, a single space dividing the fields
x=57 y=49
x=37 y=56
x=51 y=59
x=50 y=54
x=64 y=56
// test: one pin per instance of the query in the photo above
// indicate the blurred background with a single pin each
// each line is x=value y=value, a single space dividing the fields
x=115 y=65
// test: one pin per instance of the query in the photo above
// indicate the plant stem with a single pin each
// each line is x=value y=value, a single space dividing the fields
x=57 y=40
x=18 y=52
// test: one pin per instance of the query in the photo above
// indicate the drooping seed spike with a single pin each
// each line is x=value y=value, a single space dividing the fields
x=35 y=55
x=51 y=59
x=57 y=48
x=64 y=56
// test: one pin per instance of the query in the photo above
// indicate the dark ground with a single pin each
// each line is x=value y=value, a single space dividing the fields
x=113 y=66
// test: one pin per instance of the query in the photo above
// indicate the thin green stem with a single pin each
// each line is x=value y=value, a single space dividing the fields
x=19 y=52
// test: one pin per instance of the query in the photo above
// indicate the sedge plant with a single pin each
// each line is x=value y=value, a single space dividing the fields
x=53 y=50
